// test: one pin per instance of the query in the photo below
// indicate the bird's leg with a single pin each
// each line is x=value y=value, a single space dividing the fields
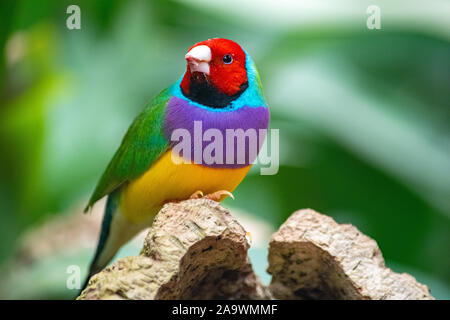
x=215 y=196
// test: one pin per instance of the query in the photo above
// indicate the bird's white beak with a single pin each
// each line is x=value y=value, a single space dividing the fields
x=198 y=59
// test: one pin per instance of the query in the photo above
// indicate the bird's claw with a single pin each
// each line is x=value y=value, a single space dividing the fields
x=215 y=196
x=249 y=237
x=196 y=195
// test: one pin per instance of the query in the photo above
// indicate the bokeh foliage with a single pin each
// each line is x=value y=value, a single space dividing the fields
x=364 y=115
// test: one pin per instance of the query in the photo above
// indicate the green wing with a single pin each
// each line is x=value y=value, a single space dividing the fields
x=140 y=148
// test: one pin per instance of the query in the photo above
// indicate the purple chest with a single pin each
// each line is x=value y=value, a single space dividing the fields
x=241 y=131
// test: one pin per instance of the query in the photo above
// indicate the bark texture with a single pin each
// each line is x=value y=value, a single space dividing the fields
x=197 y=250
x=313 y=257
x=194 y=250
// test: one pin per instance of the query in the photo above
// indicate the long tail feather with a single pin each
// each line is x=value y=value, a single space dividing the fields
x=95 y=267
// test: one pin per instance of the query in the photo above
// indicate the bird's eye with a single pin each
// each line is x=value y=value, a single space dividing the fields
x=227 y=59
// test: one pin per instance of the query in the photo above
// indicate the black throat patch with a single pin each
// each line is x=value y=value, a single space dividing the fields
x=203 y=92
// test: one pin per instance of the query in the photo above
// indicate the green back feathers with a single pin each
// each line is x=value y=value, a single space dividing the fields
x=140 y=148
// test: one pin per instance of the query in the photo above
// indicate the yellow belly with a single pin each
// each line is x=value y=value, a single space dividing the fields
x=166 y=181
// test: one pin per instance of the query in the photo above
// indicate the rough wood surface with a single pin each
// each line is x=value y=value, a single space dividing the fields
x=197 y=250
x=313 y=257
x=194 y=250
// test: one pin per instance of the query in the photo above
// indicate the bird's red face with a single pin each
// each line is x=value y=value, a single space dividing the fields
x=216 y=72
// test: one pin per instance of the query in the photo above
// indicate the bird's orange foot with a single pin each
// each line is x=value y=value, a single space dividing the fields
x=196 y=195
x=219 y=195
x=215 y=196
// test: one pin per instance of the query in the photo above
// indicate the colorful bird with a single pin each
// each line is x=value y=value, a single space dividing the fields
x=221 y=90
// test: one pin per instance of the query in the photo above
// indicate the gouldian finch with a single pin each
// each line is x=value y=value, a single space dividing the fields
x=220 y=90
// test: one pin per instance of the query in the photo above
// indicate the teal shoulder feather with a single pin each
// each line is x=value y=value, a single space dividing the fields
x=142 y=145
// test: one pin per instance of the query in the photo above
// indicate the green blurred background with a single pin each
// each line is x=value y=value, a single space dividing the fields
x=364 y=116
